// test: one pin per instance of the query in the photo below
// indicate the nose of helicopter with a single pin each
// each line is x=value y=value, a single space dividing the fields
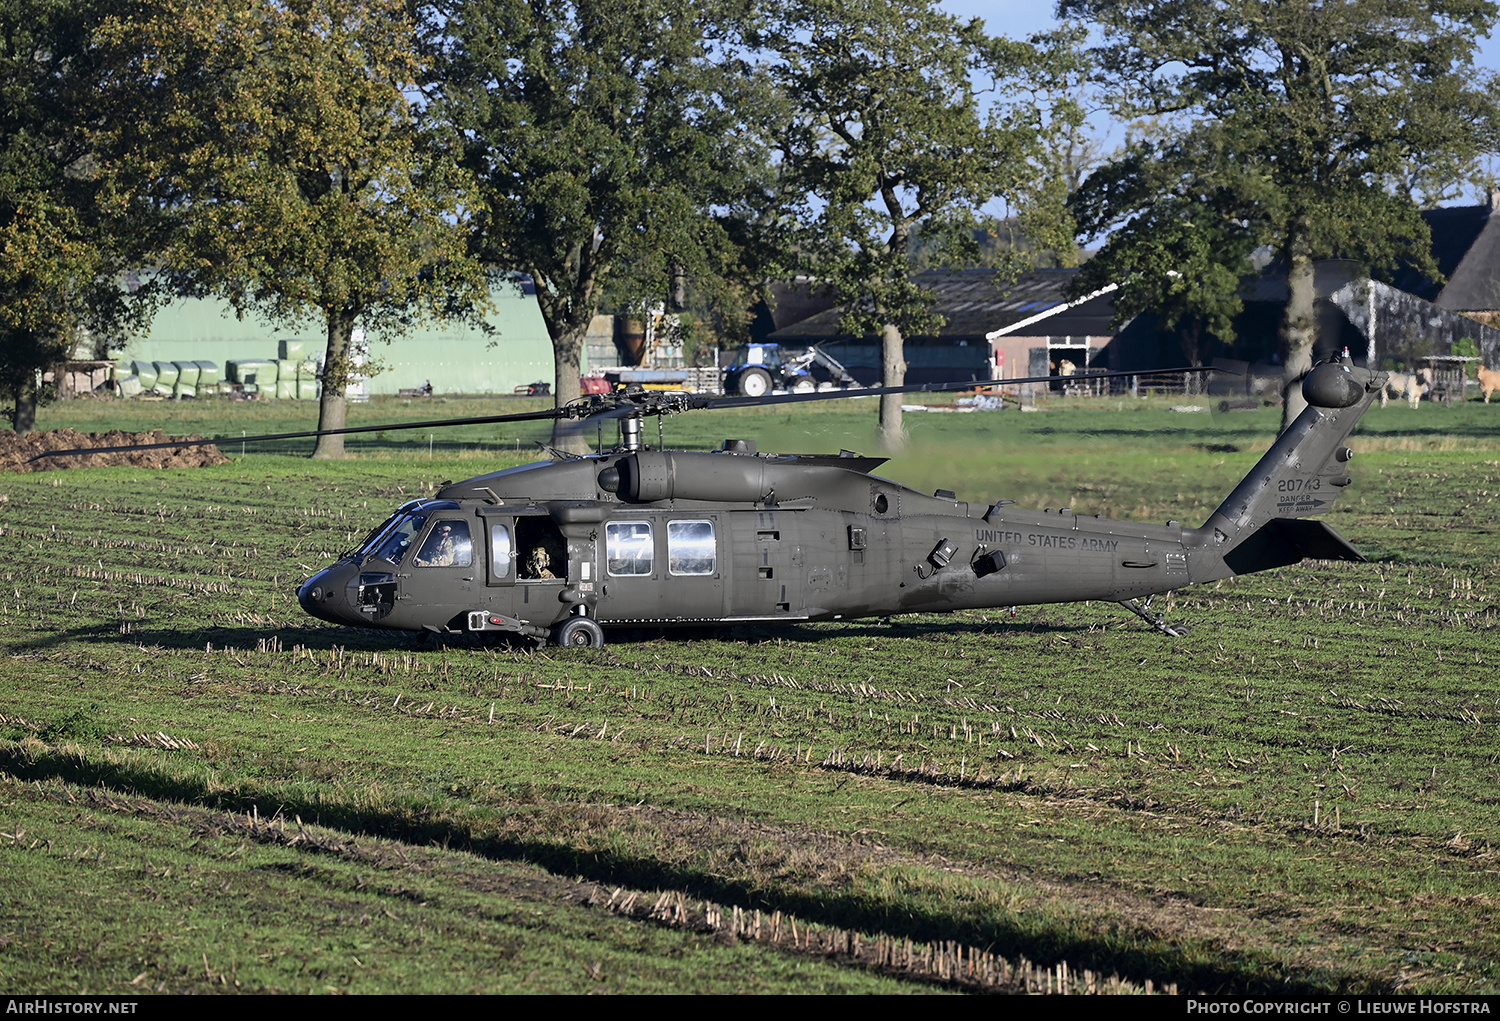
x=326 y=594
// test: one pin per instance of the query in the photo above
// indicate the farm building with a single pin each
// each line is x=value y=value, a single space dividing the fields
x=976 y=306
x=457 y=357
x=1466 y=248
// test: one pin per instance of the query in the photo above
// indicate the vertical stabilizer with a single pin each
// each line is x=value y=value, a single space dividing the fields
x=1259 y=525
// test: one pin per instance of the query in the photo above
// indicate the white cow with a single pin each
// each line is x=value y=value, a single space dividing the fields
x=1410 y=385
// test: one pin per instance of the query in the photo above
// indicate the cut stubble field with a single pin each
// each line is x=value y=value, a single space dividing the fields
x=201 y=789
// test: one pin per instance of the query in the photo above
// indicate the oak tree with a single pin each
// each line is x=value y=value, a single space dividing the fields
x=304 y=180
x=63 y=247
x=1287 y=124
x=907 y=119
x=609 y=143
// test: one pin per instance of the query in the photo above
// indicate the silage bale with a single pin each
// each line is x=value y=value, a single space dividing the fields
x=145 y=372
x=286 y=389
x=253 y=370
x=291 y=350
x=187 y=373
x=208 y=373
x=130 y=386
x=166 y=375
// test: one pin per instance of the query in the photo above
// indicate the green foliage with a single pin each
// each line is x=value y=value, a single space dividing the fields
x=1291 y=125
x=610 y=147
x=889 y=137
x=1467 y=347
x=61 y=250
x=984 y=242
x=302 y=179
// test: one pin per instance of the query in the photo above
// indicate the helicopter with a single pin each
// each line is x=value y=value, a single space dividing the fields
x=559 y=550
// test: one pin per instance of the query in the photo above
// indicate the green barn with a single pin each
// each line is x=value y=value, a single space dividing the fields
x=456 y=357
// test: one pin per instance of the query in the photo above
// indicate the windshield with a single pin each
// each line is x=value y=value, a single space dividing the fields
x=769 y=355
x=391 y=540
x=376 y=539
x=370 y=541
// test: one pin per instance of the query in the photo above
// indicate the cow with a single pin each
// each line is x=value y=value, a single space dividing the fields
x=1489 y=380
x=1410 y=385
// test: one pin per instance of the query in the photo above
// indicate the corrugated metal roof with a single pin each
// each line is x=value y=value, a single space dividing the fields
x=976 y=302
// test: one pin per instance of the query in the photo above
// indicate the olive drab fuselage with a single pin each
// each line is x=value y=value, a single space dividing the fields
x=818 y=542
x=672 y=538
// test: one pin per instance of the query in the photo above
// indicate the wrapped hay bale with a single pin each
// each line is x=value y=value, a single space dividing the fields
x=256 y=370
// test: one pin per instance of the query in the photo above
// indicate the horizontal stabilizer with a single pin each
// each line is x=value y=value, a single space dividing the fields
x=1283 y=541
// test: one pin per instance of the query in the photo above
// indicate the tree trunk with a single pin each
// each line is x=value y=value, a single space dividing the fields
x=23 y=417
x=892 y=373
x=1299 y=332
x=1192 y=350
x=567 y=358
x=333 y=409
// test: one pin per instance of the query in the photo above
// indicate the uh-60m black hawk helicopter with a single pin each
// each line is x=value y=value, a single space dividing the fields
x=560 y=550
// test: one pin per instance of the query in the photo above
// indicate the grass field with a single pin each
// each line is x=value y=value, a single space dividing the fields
x=202 y=789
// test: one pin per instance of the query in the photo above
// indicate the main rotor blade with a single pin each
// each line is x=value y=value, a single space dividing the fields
x=522 y=416
x=623 y=404
x=913 y=388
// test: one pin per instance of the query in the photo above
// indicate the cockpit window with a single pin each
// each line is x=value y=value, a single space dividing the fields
x=448 y=545
x=368 y=544
x=393 y=540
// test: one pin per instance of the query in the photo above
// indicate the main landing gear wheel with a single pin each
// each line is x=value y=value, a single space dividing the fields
x=579 y=632
x=755 y=382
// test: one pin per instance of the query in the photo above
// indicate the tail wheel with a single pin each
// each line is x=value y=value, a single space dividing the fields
x=755 y=382
x=579 y=632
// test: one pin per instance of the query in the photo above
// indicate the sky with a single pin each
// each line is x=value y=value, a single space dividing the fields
x=1017 y=18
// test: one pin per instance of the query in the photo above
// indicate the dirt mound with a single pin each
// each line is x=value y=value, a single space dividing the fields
x=16 y=452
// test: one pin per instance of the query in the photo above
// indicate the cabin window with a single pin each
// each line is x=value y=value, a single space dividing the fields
x=397 y=539
x=447 y=545
x=628 y=547
x=499 y=551
x=690 y=547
